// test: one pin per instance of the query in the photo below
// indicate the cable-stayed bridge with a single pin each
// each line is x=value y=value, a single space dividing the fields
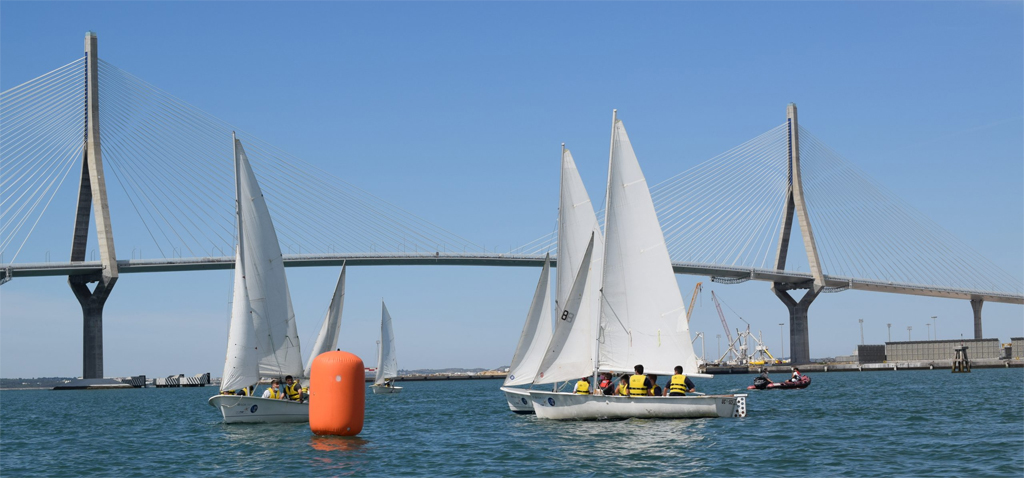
x=730 y=218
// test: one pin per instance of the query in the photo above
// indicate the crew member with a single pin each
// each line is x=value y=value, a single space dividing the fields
x=582 y=387
x=796 y=375
x=656 y=389
x=293 y=389
x=606 y=385
x=679 y=384
x=639 y=384
x=623 y=388
x=274 y=392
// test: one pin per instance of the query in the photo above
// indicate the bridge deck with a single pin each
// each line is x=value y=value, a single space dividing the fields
x=727 y=273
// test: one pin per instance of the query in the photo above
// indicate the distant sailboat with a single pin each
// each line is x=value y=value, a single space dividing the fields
x=387 y=361
x=532 y=343
x=642 y=318
x=327 y=339
x=262 y=338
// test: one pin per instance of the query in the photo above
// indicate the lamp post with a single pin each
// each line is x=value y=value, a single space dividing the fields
x=861 y=330
x=908 y=333
x=889 y=328
x=928 y=332
x=719 y=337
x=936 y=323
x=782 y=342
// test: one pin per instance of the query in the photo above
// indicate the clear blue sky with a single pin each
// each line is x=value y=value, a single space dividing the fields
x=455 y=111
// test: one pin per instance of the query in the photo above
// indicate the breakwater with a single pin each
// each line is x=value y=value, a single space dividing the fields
x=860 y=367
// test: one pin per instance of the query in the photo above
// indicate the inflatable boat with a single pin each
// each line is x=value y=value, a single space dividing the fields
x=761 y=383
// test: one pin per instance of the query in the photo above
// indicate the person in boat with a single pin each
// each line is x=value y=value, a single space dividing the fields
x=656 y=389
x=606 y=385
x=640 y=385
x=293 y=390
x=623 y=388
x=274 y=392
x=679 y=385
x=796 y=375
x=582 y=387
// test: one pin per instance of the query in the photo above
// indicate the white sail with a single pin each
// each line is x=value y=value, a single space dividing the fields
x=265 y=281
x=327 y=339
x=562 y=362
x=643 y=320
x=387 y=361
x=242 y=364
x=536 y=333
x=576 y=222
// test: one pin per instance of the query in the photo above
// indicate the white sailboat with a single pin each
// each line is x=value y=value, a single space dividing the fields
x=530 y=349
x=387 y=361
x=262 y=339
x=642 y=318
x=327 y=339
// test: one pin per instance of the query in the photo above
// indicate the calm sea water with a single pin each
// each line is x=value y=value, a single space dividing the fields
x=907 y=423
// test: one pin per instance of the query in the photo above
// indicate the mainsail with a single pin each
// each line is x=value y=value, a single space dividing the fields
x=265 y=282
x=387 y=362
x=559 y=363
x=573 y=357
x=241 y=366
x=643 y=320
x=327 y=339
x=536 y=333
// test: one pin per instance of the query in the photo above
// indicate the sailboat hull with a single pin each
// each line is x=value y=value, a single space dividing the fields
x=378 y=390
x=567 y=406
x=242 y=409
x=519 y=400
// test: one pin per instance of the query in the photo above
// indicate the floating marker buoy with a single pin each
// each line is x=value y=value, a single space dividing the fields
x=337 y=394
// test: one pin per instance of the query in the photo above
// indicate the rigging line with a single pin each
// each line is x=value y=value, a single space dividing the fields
x=45 y=150
x=250 y=148
x=891 y=197
x=141 y=149
x=696 y=169
x=147 y=173
x=67 y=170
x=886 y=217
x=707 y=229
x=156 y=146
x=383 y=214
x=136 y=207
x=43 y=173
x=12 y=89
x=729 y=163
x=29 y=132
x=24 y=120
x=16 y=109
x=295 y=159
x=130 y=173
x=694 y=207
x=42 y=194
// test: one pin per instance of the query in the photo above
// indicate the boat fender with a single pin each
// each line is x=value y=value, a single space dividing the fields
x=337 y=394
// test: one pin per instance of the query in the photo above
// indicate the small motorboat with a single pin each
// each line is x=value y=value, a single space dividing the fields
x=762 y=383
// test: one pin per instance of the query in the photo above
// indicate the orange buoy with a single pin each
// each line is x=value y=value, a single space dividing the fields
x=337 y=394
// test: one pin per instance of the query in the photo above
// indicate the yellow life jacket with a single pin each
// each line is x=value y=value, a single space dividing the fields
x=293 y=391
x=678 y=384
x=583 y=387
x=636 y=385
x=623 y=389
x=275 y=394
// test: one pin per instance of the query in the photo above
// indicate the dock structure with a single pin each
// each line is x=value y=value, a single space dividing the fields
x=961 y=364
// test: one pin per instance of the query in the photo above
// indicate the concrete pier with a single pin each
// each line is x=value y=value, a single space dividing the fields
x=976 y=306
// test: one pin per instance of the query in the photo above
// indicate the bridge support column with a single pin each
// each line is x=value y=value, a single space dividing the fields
x=92 y=323
x=799 y=337
x=92 y=194
x=976 y=305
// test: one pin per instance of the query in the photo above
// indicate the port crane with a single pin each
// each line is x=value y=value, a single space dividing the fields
x=739 y=348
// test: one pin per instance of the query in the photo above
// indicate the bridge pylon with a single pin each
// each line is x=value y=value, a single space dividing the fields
x=796 y=206
x=92 y=194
